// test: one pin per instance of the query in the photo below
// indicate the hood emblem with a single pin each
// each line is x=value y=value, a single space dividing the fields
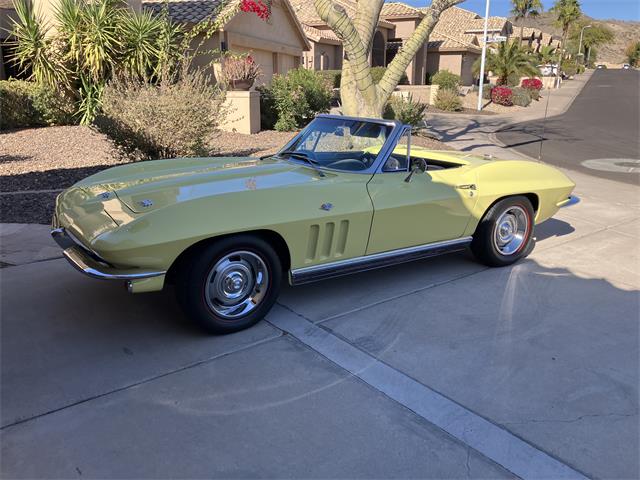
x=104 y=195
x=326 y=206
x=146 y=203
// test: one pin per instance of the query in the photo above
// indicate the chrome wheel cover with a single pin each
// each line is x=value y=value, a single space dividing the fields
x=511 y=230
x=236 y=284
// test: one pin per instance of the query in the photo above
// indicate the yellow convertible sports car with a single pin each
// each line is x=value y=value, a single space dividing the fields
x=344 y=195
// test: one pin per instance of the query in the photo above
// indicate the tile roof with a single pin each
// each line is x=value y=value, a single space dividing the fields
x=306 y=12
x=190 y=11
x=399 y=9
x=317 y=34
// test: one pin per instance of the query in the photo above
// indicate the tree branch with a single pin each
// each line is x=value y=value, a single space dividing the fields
x=402 y=60
x=336 y=17
x=366 y=21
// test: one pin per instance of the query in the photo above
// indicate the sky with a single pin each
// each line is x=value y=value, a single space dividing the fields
x=599 y=9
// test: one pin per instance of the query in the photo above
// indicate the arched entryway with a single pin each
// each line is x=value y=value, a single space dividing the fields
x=378 y=51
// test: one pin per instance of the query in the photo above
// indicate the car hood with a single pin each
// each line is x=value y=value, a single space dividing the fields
x=148 y=186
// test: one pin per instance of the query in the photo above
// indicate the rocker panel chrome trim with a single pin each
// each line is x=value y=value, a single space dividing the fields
x=300 y=276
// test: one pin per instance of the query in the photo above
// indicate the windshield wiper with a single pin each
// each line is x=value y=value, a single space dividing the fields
x=305 y=157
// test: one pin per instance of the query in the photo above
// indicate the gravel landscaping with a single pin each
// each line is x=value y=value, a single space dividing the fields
x=36 y=164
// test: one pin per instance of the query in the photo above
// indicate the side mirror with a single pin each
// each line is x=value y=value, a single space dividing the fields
x=418 y=165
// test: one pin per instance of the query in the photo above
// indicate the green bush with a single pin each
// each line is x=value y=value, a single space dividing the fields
x=486 y=91
x=521 y=97
x=406 y=110
x=295 y=98
x=446 y=80
x=378 y=72
x=535 y=94
x=448 y=100
x=513 y=80
x=28 y=104
x=569 y=67
x=333 y=77
x=268 y=112
x=174 y=118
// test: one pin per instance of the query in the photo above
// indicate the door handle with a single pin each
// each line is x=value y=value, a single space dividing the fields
x=468 y=186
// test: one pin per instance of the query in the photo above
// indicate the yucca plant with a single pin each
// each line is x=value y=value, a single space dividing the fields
x=140 y=48
x=101 y=40
x=94 y=40
x=34 y=51
x=508 y=60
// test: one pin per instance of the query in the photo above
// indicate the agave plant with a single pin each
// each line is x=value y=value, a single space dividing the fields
x=508 y=60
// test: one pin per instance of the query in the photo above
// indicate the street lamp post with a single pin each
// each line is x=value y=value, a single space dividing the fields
x=484 y=55
x=580 y=43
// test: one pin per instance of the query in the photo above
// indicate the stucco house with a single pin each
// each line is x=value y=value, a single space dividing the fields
x=454 y=44
x=277 y=44
x=456 y=41
x=536 y=39
x=326 y=49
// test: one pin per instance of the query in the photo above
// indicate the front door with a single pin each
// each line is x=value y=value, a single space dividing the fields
x=429 y=208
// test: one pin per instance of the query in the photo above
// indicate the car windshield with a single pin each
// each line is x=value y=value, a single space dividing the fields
x=341 y=144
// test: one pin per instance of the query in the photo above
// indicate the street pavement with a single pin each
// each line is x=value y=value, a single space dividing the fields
x=598 y=135
x=437 y=369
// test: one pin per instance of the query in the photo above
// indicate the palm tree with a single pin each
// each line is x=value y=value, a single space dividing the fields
x=547 y=54
x=508 y=60
x=567 y=12
x=523 y=9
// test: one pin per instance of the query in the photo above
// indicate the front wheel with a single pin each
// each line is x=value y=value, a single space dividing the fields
x=505 y=234
x=230 y=284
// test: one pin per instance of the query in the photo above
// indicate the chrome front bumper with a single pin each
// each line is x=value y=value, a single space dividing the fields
x=570 y=201
x=91 y=264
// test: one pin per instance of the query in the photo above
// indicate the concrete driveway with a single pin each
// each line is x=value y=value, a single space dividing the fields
x=441 y=368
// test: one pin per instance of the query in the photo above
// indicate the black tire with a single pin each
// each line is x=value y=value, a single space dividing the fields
x=485 y=244
x=196 y=282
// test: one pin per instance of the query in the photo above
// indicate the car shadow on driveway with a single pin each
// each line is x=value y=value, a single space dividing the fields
x=542 y=351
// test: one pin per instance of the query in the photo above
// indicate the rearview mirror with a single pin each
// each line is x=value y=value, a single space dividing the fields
x=417 y=165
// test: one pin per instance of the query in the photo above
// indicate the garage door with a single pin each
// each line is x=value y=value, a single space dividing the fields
x=263 y=58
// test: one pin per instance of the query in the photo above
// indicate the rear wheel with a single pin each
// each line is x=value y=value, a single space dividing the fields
x=229 y=285
x=505 y=234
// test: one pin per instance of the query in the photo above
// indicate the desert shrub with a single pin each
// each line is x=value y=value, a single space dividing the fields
x=581 y=69
x=332 y=77
x=534 y=94
x=268 y=112
x=486 y=91
x=521 y=97
x=446 y=80
x=513 y=79
x=297 y=97
x=502 y=96
x=405 y=110
x=532 y=84
x=378 y=72
x=173 y=118
x=569 y=67
x=29 y=104
x=448 y=100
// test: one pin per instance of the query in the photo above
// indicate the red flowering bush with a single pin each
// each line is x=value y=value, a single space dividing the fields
x=502 y=96
x=532 y=84
x=256 y=6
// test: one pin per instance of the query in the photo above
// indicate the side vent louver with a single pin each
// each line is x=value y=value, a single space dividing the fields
x=325 y=243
